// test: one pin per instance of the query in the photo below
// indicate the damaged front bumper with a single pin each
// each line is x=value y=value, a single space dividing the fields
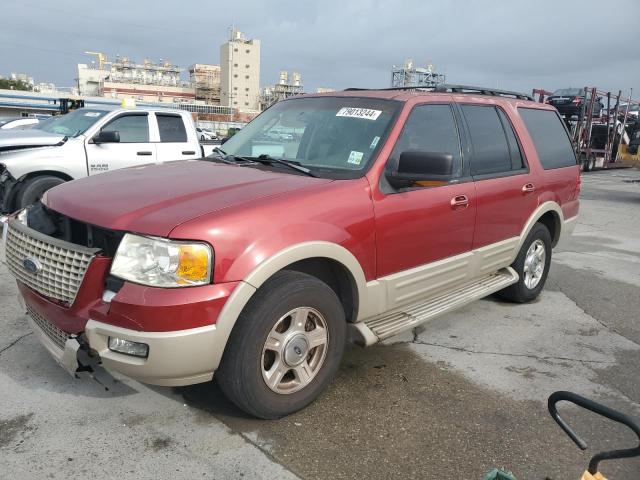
x=67 y=354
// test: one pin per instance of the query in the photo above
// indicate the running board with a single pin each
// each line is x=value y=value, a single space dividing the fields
x=417 y=313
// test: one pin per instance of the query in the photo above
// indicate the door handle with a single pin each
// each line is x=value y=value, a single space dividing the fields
x=188 y=152
x=459 y=202
x=528 y=188
x=145 y=153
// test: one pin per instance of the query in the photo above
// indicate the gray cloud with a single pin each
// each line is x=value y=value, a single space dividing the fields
x=513 y=44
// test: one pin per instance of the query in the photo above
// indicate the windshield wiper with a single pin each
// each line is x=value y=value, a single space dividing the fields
x=268 y=160
x=226 y=158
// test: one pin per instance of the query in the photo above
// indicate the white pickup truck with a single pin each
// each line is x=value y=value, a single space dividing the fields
x=86 y=142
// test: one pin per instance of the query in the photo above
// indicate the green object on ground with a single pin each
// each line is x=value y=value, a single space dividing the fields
x=496 y=474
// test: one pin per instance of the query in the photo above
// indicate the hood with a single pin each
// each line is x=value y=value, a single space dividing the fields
x=154 y=199
x=12 y=139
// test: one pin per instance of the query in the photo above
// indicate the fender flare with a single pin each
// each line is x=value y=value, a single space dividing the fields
x=548 y=206
x=267 y=268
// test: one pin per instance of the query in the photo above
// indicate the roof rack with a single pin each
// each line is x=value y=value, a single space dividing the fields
x=448 y=88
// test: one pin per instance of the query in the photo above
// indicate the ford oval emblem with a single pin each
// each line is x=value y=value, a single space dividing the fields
x=32 y=265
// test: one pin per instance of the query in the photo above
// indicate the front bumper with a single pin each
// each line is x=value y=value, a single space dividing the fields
x=175 y=358
x=181 y=356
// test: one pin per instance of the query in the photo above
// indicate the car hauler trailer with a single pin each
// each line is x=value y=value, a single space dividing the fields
x=600 y=141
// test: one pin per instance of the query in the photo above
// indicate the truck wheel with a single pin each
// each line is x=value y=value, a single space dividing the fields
x=532 y=265
x=35 y=187
x=285 y=348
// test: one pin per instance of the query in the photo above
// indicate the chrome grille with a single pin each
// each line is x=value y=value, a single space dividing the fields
x=62 y=265
x=57 y=336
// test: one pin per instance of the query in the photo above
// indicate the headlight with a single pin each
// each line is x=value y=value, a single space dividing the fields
x=159 y=262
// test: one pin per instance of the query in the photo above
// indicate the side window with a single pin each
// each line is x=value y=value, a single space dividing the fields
x=517 y=159
x=429 y=128
x=171 y=128
x=490 y=148
x=549 y=137
x=132 y=128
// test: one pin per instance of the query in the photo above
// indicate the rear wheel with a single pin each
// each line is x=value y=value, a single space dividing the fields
x=532 y=265
x=285 y=347
x=34 y=188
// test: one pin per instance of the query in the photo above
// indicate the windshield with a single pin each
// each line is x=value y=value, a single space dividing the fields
x=565 y=92
x=72 y=124
x=334 y=136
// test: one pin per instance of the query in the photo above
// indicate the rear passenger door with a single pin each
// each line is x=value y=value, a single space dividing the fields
x=174 y=139
x=505 y=188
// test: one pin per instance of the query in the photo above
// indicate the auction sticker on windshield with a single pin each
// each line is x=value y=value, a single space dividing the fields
x=354 y=112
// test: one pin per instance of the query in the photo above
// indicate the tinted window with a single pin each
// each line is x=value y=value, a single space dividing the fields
x=490 y=148
x=429 y=128
x=549 y=137
x=517 y=160
x=171 y=128
x=132 y=128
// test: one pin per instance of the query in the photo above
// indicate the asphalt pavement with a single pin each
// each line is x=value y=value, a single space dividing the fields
x=450 y=400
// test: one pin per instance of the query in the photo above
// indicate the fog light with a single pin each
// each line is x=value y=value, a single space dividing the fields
x=128 y=347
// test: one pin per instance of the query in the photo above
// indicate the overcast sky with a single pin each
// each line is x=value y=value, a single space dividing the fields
x=512 y=44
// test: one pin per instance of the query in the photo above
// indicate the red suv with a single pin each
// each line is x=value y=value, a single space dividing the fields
x=377 y=211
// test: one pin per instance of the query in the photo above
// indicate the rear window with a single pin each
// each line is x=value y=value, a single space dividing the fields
x=171 y=128
x=549 y=137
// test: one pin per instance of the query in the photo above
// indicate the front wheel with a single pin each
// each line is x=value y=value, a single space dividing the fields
x=34 y=188
x=285 y=347
x=532 y=265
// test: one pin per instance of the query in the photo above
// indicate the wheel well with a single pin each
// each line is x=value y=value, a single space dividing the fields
x=17 y=188
x=337 y=276
x=551 y=220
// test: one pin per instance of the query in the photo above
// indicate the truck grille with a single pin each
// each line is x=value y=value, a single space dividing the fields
x=57 y=267
x=57 y=336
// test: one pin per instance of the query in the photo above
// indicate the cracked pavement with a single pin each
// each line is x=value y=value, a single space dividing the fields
x=451 y=399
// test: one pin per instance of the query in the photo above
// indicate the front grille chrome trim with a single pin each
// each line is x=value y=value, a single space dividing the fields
x=63 y=264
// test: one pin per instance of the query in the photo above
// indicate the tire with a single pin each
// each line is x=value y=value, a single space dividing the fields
x=202 y=138
x=521 y=292
x=592 y=163
x=34 y=188
x=248 y=359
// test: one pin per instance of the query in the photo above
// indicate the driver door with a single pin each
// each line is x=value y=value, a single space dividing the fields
x=134 y=147
x=424 y=231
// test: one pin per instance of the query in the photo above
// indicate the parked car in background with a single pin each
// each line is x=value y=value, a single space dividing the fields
x=205 y=134
x=632 y=112
x=570 y=101
x=86 y=142
x=258 y=263
x=17 y=122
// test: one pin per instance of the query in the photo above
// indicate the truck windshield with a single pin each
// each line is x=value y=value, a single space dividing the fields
x=73 y=123
x=333 y=136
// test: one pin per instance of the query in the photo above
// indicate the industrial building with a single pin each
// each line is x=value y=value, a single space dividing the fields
x=408 y=75
x=206 y=81
x=123 y=78
x=285 y=88
x=240 y=73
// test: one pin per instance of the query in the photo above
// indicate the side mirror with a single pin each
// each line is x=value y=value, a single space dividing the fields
x=224 y=140
x=418 y=166
x=106 y=136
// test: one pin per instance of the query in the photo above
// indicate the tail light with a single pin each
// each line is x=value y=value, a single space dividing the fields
x=576 y=100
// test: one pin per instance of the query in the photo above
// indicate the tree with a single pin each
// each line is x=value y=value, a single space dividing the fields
x=9 y=84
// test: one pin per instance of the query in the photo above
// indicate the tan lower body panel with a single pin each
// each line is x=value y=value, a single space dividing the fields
x=176 y=358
